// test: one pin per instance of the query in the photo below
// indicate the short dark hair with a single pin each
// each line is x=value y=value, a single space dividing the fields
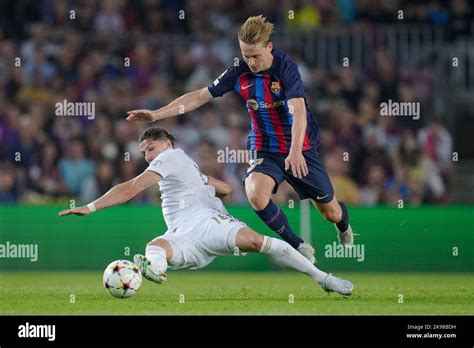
x=157 y=133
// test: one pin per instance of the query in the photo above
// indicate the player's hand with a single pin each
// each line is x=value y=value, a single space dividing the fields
x=142 y=115
x=296 y=162
x=75 y=211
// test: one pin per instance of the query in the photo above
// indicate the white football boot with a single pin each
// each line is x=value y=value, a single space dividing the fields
x=148 y=270
x=335 y=284
x=307 y=251
x=346 y=238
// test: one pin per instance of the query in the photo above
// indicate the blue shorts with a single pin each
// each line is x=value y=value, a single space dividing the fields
x=316 y=185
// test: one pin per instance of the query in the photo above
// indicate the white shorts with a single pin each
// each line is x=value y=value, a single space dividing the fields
x=196 y=244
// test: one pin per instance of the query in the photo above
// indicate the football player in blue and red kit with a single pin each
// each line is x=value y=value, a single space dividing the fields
x=284 y=133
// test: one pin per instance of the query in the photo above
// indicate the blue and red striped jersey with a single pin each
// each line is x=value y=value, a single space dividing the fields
x=266 y=94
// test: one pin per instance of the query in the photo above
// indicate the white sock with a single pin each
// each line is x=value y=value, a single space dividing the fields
x=282 y=253
x=157 y=257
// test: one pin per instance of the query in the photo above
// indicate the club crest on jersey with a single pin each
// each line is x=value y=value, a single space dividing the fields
x=253 y=103
x=276 y=89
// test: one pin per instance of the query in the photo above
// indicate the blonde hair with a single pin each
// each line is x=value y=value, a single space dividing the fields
x=256 y=29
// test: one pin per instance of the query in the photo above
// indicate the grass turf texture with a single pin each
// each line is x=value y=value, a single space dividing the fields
x=233 y=293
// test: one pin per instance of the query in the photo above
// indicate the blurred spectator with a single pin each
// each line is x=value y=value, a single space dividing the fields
x=105 y=177
x=337 y=165
x=304 y=15
x=120 y=55
x=45 y=174
x=9 y=192
x=109 y=19
x=77 y=171
x=436 y=144
x=39 y=66
x=374 y=191
x=24 y=150
x=460 y=20
x=215 y=130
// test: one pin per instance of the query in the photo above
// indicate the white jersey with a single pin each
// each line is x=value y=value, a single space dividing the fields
x=184 y=189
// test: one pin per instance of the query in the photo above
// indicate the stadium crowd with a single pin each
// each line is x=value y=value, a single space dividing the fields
x=123 y=55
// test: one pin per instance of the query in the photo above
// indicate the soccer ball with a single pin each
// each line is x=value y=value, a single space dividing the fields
x=122 y=278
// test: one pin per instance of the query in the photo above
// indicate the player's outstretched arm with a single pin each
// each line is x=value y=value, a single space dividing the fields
x=118 y=194
x=186 y=103
x=222 y=188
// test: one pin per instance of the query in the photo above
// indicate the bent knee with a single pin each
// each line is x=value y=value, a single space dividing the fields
x=333 y=215
x=255 y=243
x=258 y=200
x=158 y=242
x=249 y=241
x=258 y=191
x=164 y=244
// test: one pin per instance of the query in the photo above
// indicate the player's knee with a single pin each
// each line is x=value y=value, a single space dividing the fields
x=158 y=242
x=257 y=200
x=247 y=240
x=333 y=215
x=164 y=244
x=255 y=243
x=154 y=242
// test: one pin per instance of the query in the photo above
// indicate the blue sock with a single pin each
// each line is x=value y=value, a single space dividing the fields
x=274 y=217
x=344 y=223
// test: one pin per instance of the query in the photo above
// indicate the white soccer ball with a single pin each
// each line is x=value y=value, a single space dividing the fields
x=122 y=278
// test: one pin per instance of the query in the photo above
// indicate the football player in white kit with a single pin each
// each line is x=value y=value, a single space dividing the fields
x=199 y=227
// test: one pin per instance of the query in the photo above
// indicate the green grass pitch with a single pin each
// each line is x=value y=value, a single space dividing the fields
x=237 y=293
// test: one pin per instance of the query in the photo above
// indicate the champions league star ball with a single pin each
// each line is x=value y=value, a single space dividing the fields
x=122 y=278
